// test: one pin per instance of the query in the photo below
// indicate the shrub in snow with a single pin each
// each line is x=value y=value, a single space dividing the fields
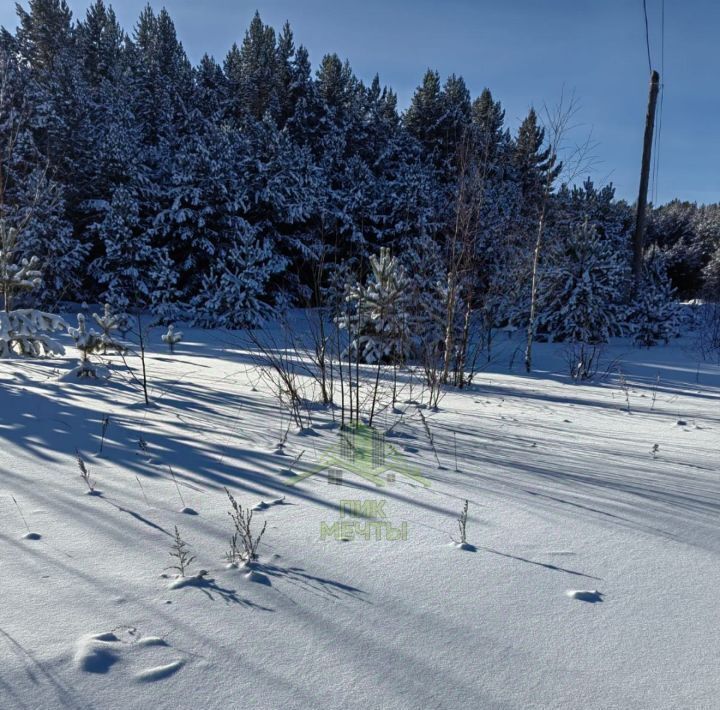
x=181 y=554
x=172 y=337
x=462 y=524
x=243 y=543
x=582 y=289
x=23 y=331
x=654 y=314
x=583 y=360
x=85 y=474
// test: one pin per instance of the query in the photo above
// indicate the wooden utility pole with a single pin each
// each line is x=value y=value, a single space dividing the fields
x=639 y=236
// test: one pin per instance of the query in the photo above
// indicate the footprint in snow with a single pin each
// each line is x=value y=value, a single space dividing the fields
x=144 y=657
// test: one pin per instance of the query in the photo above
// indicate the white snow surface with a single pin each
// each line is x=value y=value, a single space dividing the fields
x=589 y=579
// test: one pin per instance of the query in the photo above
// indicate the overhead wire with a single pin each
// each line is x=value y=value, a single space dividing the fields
x=647 y=36
x=662 y=95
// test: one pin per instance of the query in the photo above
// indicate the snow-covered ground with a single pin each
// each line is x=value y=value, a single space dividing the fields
x=590 y=579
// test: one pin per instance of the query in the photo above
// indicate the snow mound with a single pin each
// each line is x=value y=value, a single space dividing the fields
x=258 y=578
x=97 y=653
x=465 y=546
x=159 y=672
x=264 y=505
x=152 y=641
x=189 y=581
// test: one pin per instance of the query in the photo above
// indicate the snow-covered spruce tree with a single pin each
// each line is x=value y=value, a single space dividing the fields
x=23 y=331
x=654 y=314
x=381 y=314
x=582 y=289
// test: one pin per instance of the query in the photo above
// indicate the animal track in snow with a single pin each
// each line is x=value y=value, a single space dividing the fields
x=145 y=658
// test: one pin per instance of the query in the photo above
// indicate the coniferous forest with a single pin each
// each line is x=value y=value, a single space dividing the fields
x=311 y=397
x=220 y=192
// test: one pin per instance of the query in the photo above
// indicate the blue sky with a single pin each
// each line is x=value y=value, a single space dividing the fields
x=526 y=51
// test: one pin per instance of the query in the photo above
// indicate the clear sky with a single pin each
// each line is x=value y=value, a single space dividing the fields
x=525 y=51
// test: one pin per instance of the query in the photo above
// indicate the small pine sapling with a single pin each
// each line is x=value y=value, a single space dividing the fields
x=87 y=342
x=172 y=337
x=123 y=324
x=180 y=552
x=108 y=323
x=243 y=536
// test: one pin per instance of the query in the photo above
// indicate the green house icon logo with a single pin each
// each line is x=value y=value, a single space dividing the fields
x=363 y=451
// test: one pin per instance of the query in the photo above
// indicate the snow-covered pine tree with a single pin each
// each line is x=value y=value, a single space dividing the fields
x=438 y=117
x=381 y=316
x=427 y=294
x=582 y=289
x=134 y=271
x=30 y=199
x=234 y=292
x=23 y=331
x=711 y=278
x=654 y=314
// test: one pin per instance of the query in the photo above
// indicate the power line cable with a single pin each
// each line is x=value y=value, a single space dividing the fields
x=658 y=123
x=647 y=36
